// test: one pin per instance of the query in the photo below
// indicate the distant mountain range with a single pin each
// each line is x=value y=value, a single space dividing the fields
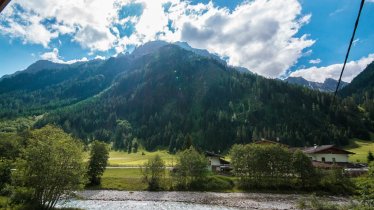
x=163 y=95
x=329 y=85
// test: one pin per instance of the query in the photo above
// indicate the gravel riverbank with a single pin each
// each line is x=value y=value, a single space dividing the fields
x=237 y=200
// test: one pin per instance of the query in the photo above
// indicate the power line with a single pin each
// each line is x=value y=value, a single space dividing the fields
x=349 y=49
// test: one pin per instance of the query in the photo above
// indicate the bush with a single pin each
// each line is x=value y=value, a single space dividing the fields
x=271 y=167
x=365 y=186
x=191 y=170
x=218 y=183
x=154 y=173
x=336 y=182
x=316 y=203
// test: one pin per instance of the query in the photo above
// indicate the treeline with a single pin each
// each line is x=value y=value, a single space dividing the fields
x=190 y=173
x=50 y=163
x=276 y=167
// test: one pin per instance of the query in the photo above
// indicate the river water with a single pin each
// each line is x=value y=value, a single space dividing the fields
x=143 y=200
x=141 y=205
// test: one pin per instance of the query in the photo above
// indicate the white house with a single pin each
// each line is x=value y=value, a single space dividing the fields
x=216 y=162
x=327 y=154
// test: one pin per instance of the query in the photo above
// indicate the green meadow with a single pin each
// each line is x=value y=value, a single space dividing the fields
x=140 y=158
x=361 y=148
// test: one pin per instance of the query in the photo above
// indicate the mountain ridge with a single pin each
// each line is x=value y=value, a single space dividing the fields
x=329 y=85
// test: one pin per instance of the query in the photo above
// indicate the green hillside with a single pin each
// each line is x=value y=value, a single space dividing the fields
x=171 y=96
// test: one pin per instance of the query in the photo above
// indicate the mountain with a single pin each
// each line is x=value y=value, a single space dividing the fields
x=329 y=85
x=362 y=84
x=361 y=91
x=37 y=66
x=166 y=95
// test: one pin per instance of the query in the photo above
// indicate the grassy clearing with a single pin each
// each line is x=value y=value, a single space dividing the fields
x=124 y=179
x=137 y=159
x=361 y=148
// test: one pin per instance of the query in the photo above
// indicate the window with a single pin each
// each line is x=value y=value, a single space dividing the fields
x=333 y=160
x=323 y=159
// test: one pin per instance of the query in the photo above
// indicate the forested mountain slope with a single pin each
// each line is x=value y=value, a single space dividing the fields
x=361 y=90
x=172 y=96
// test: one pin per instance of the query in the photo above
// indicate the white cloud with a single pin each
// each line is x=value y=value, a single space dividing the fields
x=27 y=27
x=356 y=40
x=315 y=61
x=88 y=21
x=319 y=74
x=100 y=57
x=55 y=57
x=259 y=35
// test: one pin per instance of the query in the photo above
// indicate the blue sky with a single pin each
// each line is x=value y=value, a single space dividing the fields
x=270 y=37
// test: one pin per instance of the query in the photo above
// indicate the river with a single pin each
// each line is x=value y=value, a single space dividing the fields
x=139 y=205
x=118 y=200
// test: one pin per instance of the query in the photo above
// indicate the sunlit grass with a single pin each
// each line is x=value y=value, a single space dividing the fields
x=124 y=179
x=361 y=148
x=138 y=159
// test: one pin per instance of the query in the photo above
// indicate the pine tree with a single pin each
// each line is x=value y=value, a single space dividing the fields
x=370 y=157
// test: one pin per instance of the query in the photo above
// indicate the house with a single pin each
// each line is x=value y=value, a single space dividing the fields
x=327 y=154
x=217 y=163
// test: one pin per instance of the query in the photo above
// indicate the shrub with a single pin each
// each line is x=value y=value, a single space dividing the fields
x=191 y=169
x=336 y=182
x=315 y=203
x=218 y=183
x=154 y=173
x=365 y=186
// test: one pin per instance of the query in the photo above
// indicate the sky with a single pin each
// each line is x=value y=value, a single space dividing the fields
x=273 y=38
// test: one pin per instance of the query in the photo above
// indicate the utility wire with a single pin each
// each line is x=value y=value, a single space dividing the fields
x=349 y=49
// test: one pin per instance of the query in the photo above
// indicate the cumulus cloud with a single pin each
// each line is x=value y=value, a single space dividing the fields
x=55 y=57
x=315 y=61
x=259 y=35
x=88 y=21
x=25 y=26
x=319 y=74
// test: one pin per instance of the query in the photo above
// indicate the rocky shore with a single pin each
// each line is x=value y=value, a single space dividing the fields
x=236 y=200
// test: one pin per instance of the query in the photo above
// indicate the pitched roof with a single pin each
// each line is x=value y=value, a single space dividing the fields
x=327 y=148
x=212 y=154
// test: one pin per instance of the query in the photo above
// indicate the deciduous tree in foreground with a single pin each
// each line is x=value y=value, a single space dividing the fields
x=50 y=166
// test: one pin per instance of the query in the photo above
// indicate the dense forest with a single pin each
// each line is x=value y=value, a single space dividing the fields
x=169 y=97
x=361 y=90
